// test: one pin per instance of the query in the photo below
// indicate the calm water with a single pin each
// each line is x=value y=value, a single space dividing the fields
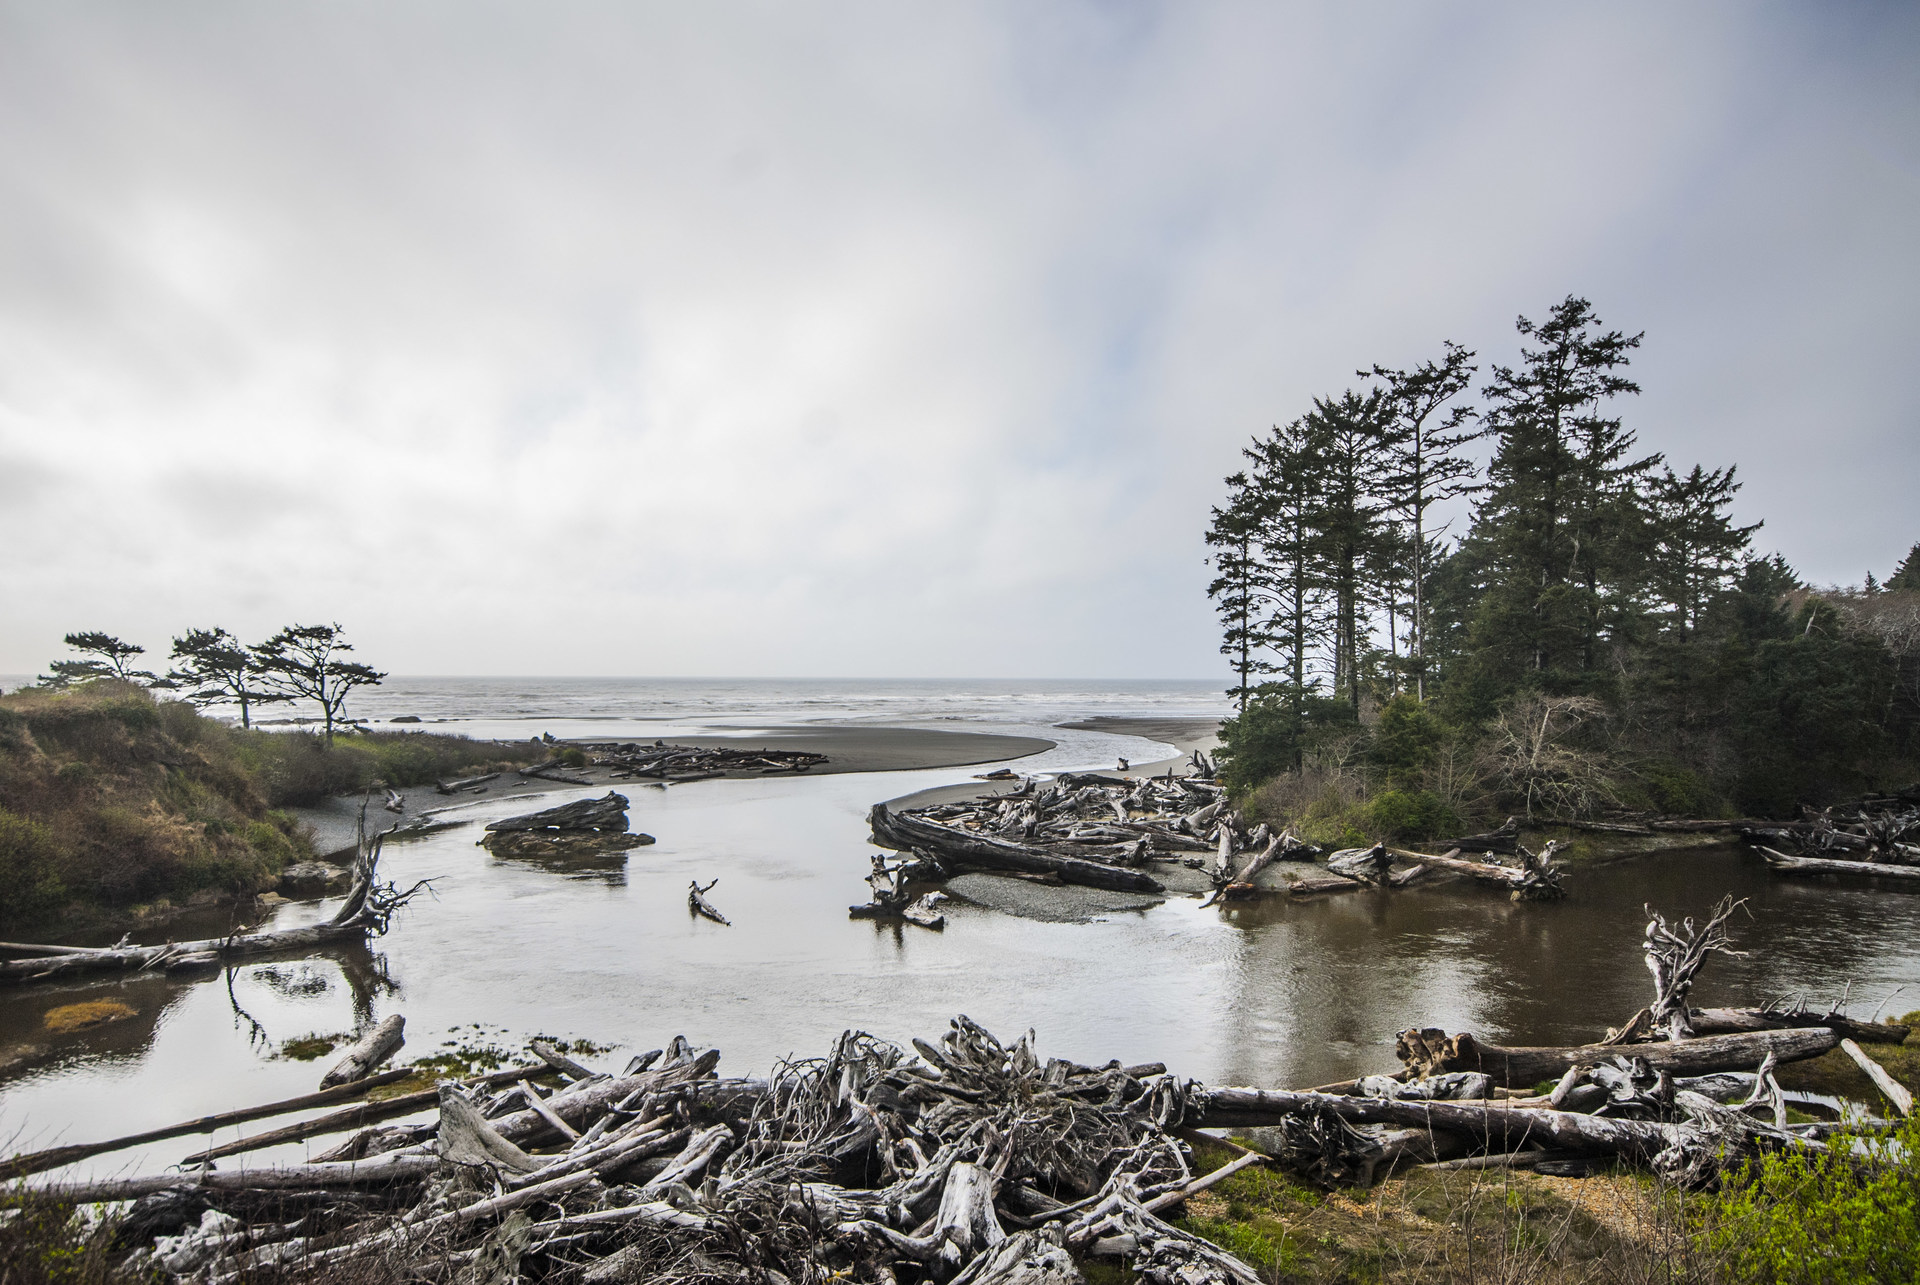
x=1276 y=994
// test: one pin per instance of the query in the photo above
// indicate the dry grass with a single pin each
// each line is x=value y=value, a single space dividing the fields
x=78 y=1017
x=1458 y=1227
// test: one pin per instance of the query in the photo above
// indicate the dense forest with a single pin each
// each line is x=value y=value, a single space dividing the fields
x=1599 y=636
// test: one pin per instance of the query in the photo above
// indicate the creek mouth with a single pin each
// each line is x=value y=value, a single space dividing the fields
x=1276 y=992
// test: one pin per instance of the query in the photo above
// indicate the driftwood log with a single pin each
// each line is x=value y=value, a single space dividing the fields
x=1433 y=1051
x=698 y=904
x=368 y=1052
x=606 y=815
x=969 y=850
x=1786 y=863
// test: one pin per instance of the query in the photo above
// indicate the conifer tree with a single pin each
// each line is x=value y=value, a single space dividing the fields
x=1242 y=590
x=1697 y=549
x=1554 y=537
x=1424 y=466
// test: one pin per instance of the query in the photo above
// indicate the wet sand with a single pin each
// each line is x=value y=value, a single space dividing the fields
x=1185 y=735
x=848 y=749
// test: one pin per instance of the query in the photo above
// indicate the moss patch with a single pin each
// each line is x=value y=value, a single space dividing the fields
x=305 y=1048
x=78 y=1017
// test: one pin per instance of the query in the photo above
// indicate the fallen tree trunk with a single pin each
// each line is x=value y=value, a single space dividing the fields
x=373 y=1048
x=377 y=1172
x=1496 y=1127
x=55 y=1157
x=139 y=958
x=1785 y=864
x=1728 y=1021
x=985 y=852
x=1433 y=1052
x=355 y=1116
x=465 y=783
x=1536 y=880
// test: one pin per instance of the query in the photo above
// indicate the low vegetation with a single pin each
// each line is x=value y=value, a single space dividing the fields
x=114 y=797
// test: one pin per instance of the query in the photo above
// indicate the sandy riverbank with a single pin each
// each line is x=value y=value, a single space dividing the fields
x=848 y=749
x=1185 y=735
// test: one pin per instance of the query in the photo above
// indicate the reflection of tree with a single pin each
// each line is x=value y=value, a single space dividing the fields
x=257 y=1036
x=365 y=972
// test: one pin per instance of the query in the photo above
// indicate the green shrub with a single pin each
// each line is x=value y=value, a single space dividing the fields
x=1405 y=740
x=30 y=861
x=1407 y=815
x=1827 y=1218
x=573 y=756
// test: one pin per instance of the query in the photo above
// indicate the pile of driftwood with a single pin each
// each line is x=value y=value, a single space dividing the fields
x=662 y=762
x=1874 y=837
x=368 y=908
x=583 y=826
x=1096 y=831
x=969 y=1161
x=1106 y=832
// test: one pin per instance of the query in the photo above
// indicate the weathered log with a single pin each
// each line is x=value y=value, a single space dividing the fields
x=380 y=1171
x=1429 y=1052
x=354 y=1117
x=697 y=901
x=1536 y=879
x=464 y=783
x=1307 y=885
x=368 y=1052
x=1728 y=1021
x=1791 y=865
x=55 y=1157
x=1897 y=1093
x=607 y=815
x=904 y=832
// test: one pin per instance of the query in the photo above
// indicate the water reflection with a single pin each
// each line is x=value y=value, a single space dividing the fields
x=1277 y=992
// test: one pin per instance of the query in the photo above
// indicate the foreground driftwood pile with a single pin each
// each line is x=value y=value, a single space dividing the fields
x=969 y=1161
x=1107 y=832
x=1875 y=838
x=368 y=909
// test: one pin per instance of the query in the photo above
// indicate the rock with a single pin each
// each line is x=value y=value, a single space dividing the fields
x=405 y=718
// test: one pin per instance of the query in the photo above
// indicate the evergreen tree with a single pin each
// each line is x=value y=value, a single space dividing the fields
x=306 y=662
x=102 y=656
x=1242 y=590
x=1424 y=467
x=217 y=668
x=1907 y=575
x=1555 y=537
x=1697 y=549
x=1346 y=440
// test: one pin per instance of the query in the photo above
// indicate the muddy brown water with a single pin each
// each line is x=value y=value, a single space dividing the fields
x=1276 y=993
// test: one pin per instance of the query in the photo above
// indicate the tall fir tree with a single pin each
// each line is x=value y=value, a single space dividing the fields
x=1242 y=587
x=1424 y=466
x=1556 y=535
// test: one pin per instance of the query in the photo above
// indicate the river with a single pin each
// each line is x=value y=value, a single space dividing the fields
x=1273 y=993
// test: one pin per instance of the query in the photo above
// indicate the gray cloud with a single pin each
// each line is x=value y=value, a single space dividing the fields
x=877 y=338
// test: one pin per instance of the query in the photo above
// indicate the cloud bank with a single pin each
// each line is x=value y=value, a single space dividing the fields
x=878 y=339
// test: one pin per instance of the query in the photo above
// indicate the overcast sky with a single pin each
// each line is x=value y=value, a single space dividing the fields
x=880 y=339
